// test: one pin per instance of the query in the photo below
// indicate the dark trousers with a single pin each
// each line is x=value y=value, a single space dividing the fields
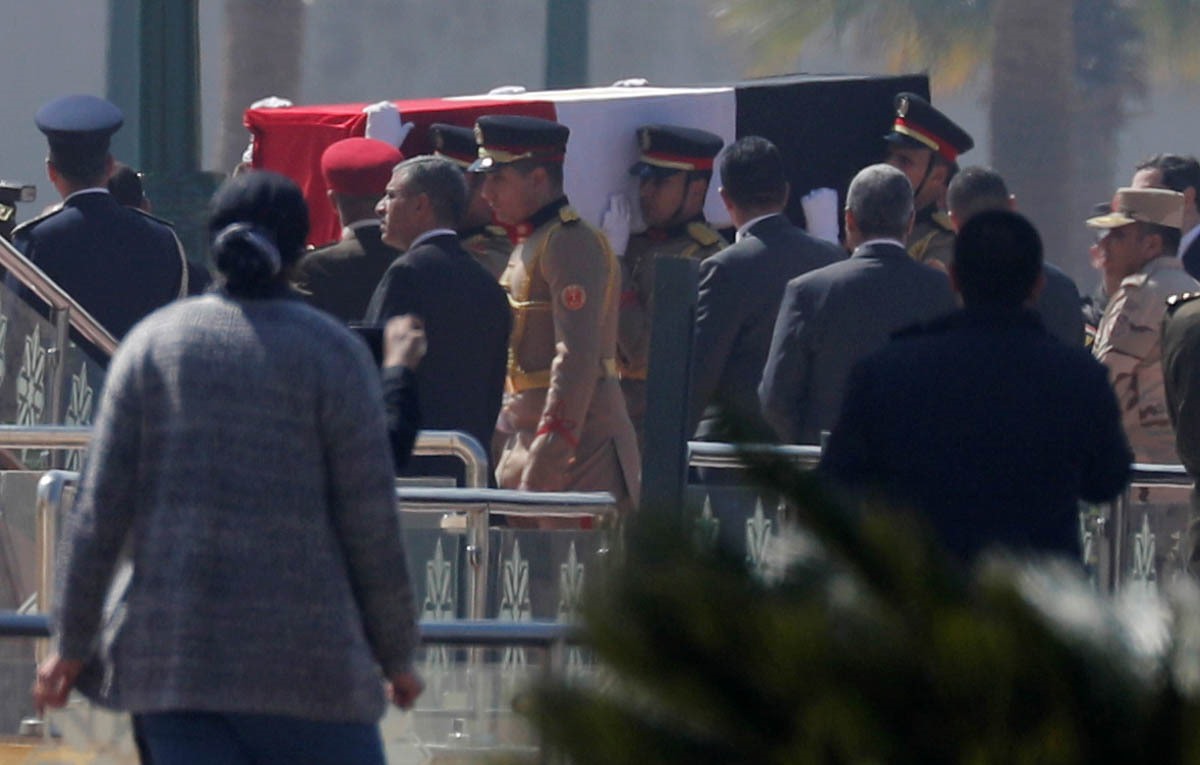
x=206 y=738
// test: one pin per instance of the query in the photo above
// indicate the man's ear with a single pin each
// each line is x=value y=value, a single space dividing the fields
x=725 y=200
x=51 y=171
x=697 y=189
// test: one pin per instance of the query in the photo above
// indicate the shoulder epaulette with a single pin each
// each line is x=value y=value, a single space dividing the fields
x=34 y=221
x=495 y=230
x=567 y=214
x=153 y=217
x=1174 y=301
x=703 y=233
x=942 y=220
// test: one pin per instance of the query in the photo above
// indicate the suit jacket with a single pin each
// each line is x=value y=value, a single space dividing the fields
x=987 y=426
x=833 y=317
x=340 y=278
x=1060 y=306
x=467 y=322
x=740 y=289
x=119 y=263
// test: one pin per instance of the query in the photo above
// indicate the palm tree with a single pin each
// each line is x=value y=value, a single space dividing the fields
x=263 y=46
x=1062 y=77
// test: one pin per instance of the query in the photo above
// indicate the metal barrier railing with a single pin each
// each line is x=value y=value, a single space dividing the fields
x=1110 y=528
x=477 y=505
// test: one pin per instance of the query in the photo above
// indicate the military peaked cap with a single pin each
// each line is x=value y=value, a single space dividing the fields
x=919 y=124
x=505 y=138
x=670 y=149
x=78 y=126
x=454 y=142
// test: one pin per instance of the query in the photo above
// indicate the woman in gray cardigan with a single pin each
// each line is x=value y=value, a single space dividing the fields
x=240 y=457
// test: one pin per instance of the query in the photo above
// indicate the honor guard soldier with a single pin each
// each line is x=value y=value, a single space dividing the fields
x=341 y=277
x=565 y=416
x=487 y=241
x=674 y=171
x=925 y=144
x=119 y=263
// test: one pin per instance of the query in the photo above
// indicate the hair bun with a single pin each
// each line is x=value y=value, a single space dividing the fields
x=246 y=254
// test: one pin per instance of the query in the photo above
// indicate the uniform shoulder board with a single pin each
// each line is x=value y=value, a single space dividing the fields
x=942 y=220
x=567 y=214
x=1174 y=301
x=153 y=217
x=703 y=233
x=29 y=224
x=495 y=230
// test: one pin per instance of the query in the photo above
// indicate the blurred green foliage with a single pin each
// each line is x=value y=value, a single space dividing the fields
x=864 y=644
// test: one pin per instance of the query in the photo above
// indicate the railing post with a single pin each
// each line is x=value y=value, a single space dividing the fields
x=668 y=384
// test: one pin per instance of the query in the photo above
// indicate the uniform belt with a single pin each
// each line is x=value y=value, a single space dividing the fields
x=520 y=381
x=629 y=373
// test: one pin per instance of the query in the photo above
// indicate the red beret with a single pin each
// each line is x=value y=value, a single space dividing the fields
x=359 y=166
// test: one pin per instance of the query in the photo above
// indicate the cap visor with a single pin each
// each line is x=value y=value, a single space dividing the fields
x=647 y=170
x=1112 y=220
x=483 y=165
x=901 y=140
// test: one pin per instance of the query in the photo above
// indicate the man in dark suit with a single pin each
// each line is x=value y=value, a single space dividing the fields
x=1177 y=173
x=464 y=310
x=982 y=422
x=741 y=285
x=341 y=277
x=117 y=262
x=832 y=317
x=977 y=189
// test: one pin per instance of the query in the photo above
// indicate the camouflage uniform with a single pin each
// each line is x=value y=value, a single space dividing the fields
x=567 y=420
x=1129 y=343
x=690 y=240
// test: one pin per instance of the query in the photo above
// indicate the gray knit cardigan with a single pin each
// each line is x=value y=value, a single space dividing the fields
x=240 y=456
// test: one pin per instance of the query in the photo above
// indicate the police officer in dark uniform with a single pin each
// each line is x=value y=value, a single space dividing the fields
x=119 y=263
x=925 y=144
x=674 y=171
x=340 y=278
x=486 y=240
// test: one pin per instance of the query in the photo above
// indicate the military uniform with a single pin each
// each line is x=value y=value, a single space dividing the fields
x=1129 y=340
x=666 y=150
x=117 y=262
x=340 y=278
x=489 y=244
x=695 y=240
x=1181 y=374
x=932 y=238
x=568 y=428
x=919 y=125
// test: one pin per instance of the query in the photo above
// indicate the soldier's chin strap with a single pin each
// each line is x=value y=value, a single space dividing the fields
x=925 y=177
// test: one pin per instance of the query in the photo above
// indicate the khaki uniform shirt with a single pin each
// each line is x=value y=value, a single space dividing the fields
x=490 y=246
x=932 y=239
x=691 y=240
x=566 y=419
x=1129 y=343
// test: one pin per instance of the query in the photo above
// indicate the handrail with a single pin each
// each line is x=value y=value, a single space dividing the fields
x=54 y=296
x=468 y=632
x=429 y=442
x=433 y=443
x=712 y=454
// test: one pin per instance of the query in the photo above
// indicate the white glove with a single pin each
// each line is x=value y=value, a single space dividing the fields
x=821 y=212
x=270 y=102
x=615 y=223
x=507 y=90
x=385 y=124
x=631 y=82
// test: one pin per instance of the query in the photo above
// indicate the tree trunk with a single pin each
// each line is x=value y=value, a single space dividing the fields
x=263 y=44
x=1032 y=108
